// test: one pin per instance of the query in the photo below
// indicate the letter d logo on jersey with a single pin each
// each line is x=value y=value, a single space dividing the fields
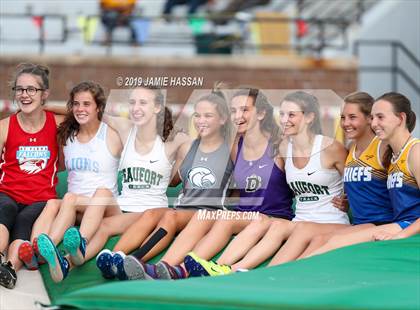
x=201 y=177
x=33 y=159
x=253 y=183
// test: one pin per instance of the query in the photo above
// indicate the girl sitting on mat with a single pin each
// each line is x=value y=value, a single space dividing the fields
x=364 y=175
x=150 y=149
x=28 y=166
x=258 y=175
x=392 y=120
x=91 y=152
x=314 y=166
x=204 y=172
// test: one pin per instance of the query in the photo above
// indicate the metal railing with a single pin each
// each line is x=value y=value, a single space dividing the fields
x=317 y=45
x=42 y=40
x=394 y=67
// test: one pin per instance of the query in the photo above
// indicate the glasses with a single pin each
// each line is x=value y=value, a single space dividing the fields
x=31 y=91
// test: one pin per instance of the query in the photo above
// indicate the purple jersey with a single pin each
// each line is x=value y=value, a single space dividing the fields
x=262 y=186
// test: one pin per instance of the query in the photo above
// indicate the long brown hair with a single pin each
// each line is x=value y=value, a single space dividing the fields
x=69 y=128
x=400 y=104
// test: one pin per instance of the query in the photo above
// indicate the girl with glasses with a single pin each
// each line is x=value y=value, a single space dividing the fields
x=28 y=165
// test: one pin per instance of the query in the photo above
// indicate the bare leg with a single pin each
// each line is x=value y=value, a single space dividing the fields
x=300 y=239
x=278 y=232
x=244 y=241
x=173 y=222
x=102 y=203
x=316 y=242
x=109 y=227
x=4 y=238
x=219 y=236
x=12 y=254
x=187 y=239
x=139 y=230
x=319 y=240
x=45 y=220
x=67 y=215
x=363 y=235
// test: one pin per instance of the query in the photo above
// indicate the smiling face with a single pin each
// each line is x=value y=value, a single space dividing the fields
x=244 y=114
x=142 y=106
x=292 y=118
x=354 y=122
x=84 y=108
x=28 y=103
x=384 y=120
x=207 y=120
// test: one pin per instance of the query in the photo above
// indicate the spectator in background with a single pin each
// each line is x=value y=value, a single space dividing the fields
x=116 y=13
x=193 y=5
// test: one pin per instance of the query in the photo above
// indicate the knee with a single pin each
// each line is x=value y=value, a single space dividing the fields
x=102 y=192
x=52 y=207
x=319 y=239
x=278 y=229
x=149 y=215
x=303 y=228
x=258 y=226
x=70 y=198
x=168 y=220
x=223 y=226
x=277 y=226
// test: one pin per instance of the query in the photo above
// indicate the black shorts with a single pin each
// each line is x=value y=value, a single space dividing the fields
x=19 y=218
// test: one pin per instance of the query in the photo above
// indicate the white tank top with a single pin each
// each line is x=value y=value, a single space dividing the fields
x=145 y=178
x=90 y=165
x=314 y=188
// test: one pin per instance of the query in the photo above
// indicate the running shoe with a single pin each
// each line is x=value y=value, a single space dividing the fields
x=198 y=267
x=58 y=265
x=136 y=270
x=8 y=275
x=41 y=260
x=168 y=272
x=105 y=265
x=27 y=255
x=118 y=264
x=75 y=245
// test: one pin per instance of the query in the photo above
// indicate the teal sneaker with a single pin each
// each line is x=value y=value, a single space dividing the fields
x=75 y=245
x=58 y=265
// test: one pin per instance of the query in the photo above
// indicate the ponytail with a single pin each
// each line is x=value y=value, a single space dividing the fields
x=165 y=124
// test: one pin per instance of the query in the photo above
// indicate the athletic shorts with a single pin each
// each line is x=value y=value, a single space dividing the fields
x=404 y=224
x=19 y=218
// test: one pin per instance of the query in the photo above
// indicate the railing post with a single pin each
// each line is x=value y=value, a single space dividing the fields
x=356 y=48
x=394 y=66
x=42 y=35
x=321 y=37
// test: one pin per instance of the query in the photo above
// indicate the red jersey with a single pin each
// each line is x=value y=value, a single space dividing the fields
x=29 y=162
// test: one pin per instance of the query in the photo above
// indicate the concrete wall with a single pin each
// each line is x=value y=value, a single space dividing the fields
x=267 y=72
x=392 y=20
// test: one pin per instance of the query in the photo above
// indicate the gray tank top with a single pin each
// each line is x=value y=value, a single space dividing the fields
x=205 y=178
